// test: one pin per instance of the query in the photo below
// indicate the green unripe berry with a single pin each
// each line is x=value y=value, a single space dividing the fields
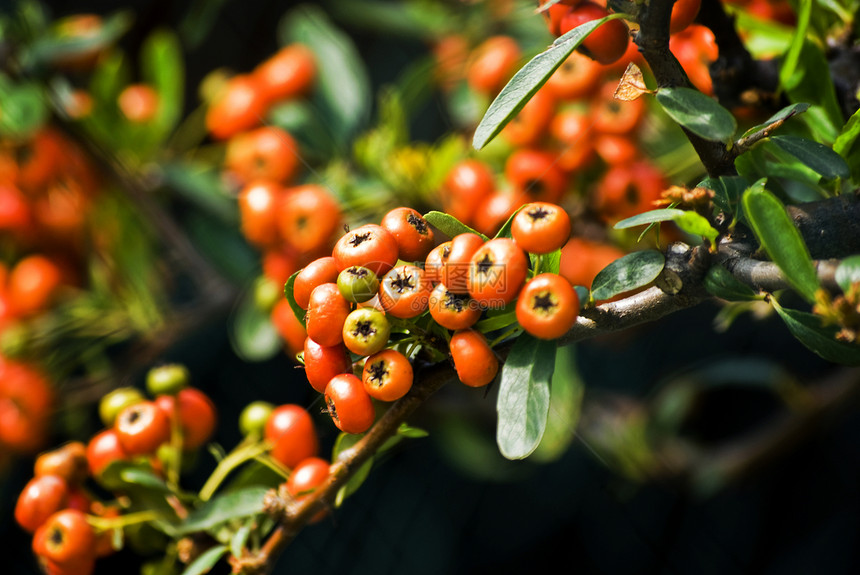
x=168 y=379
x=114 y=402
x=357 y=284
x=253 y=418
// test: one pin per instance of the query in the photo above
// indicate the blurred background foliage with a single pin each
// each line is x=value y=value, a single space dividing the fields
x=162 y=273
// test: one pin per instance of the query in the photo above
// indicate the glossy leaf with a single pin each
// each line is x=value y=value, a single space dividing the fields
x=698 y=113
x=848 y=272
x=720 y=283
x=727 y=192
x=252 y=334
x=817 y=156
x=627 y=273
x=343 y=87
x=528 y=80
x=523 y=401
x=222 y=508
x=291 y=298
x=781 y=240
x=697 y=225
x=848 y=136
x=206 y=561
x=649 y=217
x=449 y=225
x=811 y=82
x=808 y=329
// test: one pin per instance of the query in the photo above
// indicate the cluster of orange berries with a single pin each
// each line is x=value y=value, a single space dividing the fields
x=56 y=505
x=383 y=277
x=47 y=189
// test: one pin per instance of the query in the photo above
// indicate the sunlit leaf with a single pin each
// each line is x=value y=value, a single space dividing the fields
x=781 y=240
x=697 y=112
x=649 y=217
x=163 y=68
x=778 y=118
x=449 y=225
x=237 y=504
x=632 y=271
x=528 y=80
x=523 y=401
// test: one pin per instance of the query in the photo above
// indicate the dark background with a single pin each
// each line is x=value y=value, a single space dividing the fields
x=419 y=513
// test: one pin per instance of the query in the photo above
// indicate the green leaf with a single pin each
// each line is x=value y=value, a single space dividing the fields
x=201 y=184
x=237 y=504
x=727 y=192
x=240 y=538
x=24 y=109
x=206 y=561
x=789 y=64
x=811 y=82
x=252 y=334
x=817 y=156
x=528 y=80
x=649 y=217
x=144 y=478
x=697 y=112
x=820 y=339
x=629 y=272
x=497 y=319
x=781 y=116
x=848 y=272
x=781 y=240
x=163 y=68
x=449 y=225
x=291 y=298
x=848 y=136
x=345 y=441
x=523 y=401
x=697 y=225
x=505 y=230
x=343 y=91
x=720 y=283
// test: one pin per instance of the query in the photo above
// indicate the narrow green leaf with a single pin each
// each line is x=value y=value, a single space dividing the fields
x=781 y=240
x=848 y=272
x=237 y=504
x=505 y=230
x=808 y=329
x=812 y=83
x=629 y=272
x=528 y=80
x=720 y=283
x=792 y=57
x=649 y=217
x=291 y=298
x=343 y=90
x=848 y=136
x=240 y=538
x=697 y=225
x=206 y=561
x=781 y=116
x=145 y=478
x=523 y=401
x=697 y=112
x=817 y=156
x=497 y=319
x=163 y=68
x=449 y=225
